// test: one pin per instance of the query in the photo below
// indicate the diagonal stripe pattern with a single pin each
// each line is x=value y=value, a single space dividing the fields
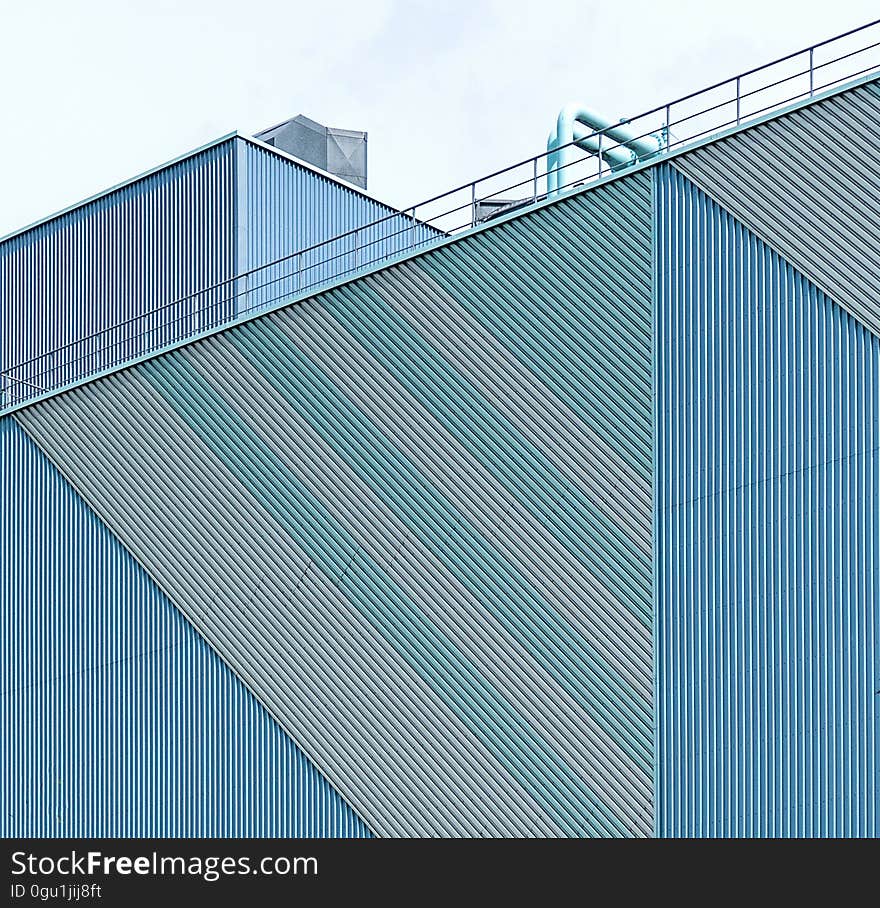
x=116 y=718
x=807 y=183
x=414 y=515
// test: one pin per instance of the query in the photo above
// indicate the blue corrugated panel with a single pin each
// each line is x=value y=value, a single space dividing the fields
x=768 y=538
x=116 y=718
x=290 y=208
x=142 y=246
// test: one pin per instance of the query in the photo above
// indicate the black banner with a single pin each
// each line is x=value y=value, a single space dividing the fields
x=167 y=872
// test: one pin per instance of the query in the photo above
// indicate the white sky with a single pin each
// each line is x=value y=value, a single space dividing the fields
x=94 y=92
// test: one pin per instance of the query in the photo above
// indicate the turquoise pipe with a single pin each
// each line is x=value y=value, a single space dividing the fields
x=570 y=128
x=615 y=155
x=554 y=177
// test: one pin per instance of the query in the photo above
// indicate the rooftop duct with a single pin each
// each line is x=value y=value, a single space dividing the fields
x=341 y=152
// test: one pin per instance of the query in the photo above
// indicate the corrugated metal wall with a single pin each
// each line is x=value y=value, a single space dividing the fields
x=139 y=247
x=159 y=243
x=116 y=718
x=768 y=538
x=414 y=513
x=289 y=208
x=808 y=184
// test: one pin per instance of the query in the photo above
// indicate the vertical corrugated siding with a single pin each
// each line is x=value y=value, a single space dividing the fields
x=808 y=183
x=768 y=538
x=421 y=504
x=116 y=718
x=159 y=243
x=290 y=207
x=142 y=246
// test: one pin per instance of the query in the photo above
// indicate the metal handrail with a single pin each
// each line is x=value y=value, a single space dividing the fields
x=238 y=288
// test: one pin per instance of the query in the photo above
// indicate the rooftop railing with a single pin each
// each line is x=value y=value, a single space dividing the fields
x=739 y=100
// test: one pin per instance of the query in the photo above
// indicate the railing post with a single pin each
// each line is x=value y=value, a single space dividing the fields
x=668 y=124
x=737 y=100
x=601 y=136
x=356 y=249
x=412 y=244
x=473 y=204
x=535 y=180
x=299 y=264
x=811 y=72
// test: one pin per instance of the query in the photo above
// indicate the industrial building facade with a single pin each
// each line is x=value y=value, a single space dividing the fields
x=174 y=252
x=566 y=526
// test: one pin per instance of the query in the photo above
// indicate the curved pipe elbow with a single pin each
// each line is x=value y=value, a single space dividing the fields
x=589 y=130
x=572 y=113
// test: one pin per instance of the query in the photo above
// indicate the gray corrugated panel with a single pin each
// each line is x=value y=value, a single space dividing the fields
x=98 y=675
x=808 y=184
x=420 y=573
x=768 y=539
x=115 y=258
x=486 y=503
x=448 y=615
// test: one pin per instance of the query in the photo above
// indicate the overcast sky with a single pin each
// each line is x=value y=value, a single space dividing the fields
x=94 y=92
